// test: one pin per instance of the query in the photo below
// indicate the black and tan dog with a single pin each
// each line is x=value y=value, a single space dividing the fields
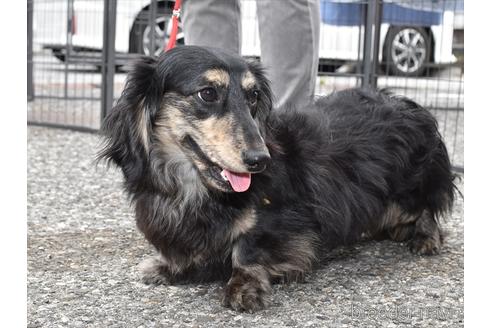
x=226 y=188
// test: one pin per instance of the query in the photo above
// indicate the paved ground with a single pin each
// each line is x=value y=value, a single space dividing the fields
x=83 y=248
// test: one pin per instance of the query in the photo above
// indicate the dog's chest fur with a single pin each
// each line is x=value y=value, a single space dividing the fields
x=187 y=223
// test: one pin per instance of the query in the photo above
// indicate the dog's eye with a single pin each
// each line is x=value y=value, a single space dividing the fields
x=208 y=95
x=253 y=97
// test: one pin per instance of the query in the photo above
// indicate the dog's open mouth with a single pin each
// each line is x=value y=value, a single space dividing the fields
x=224 y=178
x=240 y=182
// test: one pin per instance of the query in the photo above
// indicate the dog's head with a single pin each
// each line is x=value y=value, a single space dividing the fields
x=193 y=105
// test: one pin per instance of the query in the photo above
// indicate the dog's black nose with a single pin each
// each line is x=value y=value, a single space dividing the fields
x=255 y=160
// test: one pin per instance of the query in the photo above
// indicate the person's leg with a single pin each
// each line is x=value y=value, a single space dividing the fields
x=289 y=34
x=213 y=23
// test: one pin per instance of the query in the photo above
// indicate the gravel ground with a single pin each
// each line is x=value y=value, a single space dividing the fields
x=83 y=249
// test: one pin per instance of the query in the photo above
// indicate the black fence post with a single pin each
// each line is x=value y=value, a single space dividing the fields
x=378 y=12
x=30 y=82
x=152 y=25
x=108 y=57
x=68 y=48
x=371 y=43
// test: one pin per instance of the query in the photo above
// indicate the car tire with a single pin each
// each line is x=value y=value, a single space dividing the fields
x=140 y=32
x=407 y=50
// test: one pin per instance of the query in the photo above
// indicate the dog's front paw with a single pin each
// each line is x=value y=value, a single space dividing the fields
x=153 y=271
x=246 y=292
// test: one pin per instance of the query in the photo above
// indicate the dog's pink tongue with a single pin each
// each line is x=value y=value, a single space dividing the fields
x=239 y=181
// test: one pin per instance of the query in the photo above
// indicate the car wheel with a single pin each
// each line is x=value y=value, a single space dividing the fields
x=407 y=50
x=141 y=32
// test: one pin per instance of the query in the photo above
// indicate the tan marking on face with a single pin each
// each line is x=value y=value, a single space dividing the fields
x=217 y=137
x=168 y=143
x=245 y=222
x=248 y=81
x=166 y=131
x=221 y=142
x=172 y=124
x=217 y=76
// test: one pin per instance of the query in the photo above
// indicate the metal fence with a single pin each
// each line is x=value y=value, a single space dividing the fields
x=78 y=52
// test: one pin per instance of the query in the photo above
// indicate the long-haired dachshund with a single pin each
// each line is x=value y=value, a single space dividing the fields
x=226 y=188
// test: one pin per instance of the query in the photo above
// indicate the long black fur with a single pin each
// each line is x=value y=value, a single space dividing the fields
x=336 y=169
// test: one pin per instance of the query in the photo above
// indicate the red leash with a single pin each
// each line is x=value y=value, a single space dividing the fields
x=174 y=31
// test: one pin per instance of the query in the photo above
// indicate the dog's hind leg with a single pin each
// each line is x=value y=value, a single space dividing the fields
x=422 y=232
x=428 y=237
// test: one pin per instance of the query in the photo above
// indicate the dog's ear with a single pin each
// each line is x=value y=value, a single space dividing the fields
x=128 y=126
x=265 y=98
